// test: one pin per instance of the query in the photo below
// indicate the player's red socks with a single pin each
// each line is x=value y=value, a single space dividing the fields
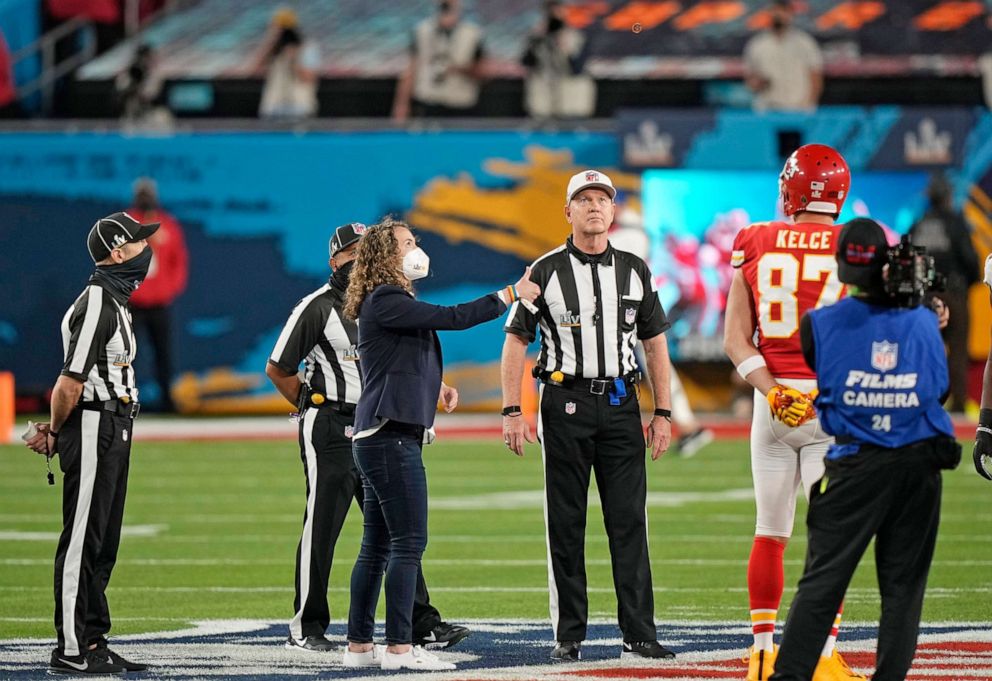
x=765 y=582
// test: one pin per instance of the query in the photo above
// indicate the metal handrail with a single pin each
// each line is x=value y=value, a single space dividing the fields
x=50 y=71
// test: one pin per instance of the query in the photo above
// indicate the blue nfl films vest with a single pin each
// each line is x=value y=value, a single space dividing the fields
x=881 y=372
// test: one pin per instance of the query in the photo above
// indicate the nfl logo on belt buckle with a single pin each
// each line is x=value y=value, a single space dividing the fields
x=570 y=408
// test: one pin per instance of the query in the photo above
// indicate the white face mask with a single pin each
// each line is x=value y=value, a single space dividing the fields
x=416 y=264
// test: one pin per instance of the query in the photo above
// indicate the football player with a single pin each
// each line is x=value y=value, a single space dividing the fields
x=982 y=453
x=784 y=269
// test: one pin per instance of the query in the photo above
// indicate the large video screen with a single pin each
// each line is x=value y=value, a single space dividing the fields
x=692 y=216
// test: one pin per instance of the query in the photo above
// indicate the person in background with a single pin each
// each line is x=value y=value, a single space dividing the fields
x=139 y=87
x=401 y=369
x=557 y=85
x=882 y=374
x=318 y=335
x=783 y=65
x=151 y=305
x=946 y=236
x=94 y=404
x=597 y=301
x=783 y=269
x=9 y=107
x=445 y=69
x=982 y=453
x=291 y=66
x=627 y=234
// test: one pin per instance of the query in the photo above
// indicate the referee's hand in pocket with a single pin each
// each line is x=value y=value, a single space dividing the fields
x=526 y=289
x=516 y=431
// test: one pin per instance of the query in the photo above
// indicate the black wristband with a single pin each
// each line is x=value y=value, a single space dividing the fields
x=985 y=418
x=664 y=413
x=53 y=433
x=513 y=410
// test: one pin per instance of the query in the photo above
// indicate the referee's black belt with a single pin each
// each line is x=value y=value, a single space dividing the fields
x=121 y=407
x=318 y=401
x=595 y=386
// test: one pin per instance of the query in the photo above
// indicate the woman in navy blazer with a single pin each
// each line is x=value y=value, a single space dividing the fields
x=401 y=375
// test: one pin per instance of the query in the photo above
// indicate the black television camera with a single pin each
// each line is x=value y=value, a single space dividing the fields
x=910 y=274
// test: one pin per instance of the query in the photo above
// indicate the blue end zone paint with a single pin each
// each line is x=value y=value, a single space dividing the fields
x=245 y=650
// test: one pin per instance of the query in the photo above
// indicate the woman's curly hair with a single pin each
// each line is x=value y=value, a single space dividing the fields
x=378 y=262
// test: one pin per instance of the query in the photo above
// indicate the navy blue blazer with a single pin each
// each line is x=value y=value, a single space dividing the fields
x=401 y=353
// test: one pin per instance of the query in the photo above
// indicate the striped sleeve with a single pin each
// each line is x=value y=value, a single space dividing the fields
x=302 y=331
x=92 y=323
x=521 y=321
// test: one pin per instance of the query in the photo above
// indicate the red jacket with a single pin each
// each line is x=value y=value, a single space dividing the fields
x=7 y=90
x=100 y=11
x=168 y=272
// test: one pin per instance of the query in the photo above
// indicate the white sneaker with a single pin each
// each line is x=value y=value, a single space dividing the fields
x=416 y=658
x=370 y=658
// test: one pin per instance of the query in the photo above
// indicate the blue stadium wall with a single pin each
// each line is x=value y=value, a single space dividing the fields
x=258 y=209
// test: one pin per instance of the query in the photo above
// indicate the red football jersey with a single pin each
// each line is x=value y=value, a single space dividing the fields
x=790 y=269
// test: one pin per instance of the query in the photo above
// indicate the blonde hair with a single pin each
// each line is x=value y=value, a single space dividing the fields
x=377 y=263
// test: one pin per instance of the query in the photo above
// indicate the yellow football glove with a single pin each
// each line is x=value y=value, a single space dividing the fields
x=810 y=413
x=788 y=405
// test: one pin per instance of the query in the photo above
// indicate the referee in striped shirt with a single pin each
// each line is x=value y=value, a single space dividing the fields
x=94 y=403
x=596 y=303
x=319 y=335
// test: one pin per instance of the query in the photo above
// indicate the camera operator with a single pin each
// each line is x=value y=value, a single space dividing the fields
x=982 y=453
x=882 y=375
x=291 y=64
x=139 y=87
x=557 y=85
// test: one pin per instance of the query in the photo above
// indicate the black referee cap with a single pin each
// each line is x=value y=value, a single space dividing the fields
x=113 y=232
x=345 y=236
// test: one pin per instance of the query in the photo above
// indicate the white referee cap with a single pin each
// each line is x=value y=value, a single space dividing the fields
x=589 y=178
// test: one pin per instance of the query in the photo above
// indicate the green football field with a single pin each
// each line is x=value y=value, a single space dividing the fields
x=211 y=532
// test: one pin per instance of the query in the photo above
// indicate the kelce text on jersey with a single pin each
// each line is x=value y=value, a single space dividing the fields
x=817 y=241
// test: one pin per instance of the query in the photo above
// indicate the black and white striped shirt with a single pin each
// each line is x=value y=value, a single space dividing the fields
x=591 y=311
x=99 y=346
x=317 y=332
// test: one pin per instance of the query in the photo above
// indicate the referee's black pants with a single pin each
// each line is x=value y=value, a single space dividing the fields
x=94 y=452
x=332 y=483
x=582 y=433
x=892 y=495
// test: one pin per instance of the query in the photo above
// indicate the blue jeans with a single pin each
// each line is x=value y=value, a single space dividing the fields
x=395 y=537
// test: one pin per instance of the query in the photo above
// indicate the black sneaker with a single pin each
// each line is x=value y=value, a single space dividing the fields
x=648 y=649
x=689 y=445
x=89 y=662
x=114 y=658
x=443 y=635
x=317 y=644
x=567 y=651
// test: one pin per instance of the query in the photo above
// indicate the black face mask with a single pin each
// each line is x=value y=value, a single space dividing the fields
x=778 y=23
x=342 y=275
x=124 y=278
x=555 y=23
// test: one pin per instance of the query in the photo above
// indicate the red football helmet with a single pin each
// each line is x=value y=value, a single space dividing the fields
x=815 y=179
